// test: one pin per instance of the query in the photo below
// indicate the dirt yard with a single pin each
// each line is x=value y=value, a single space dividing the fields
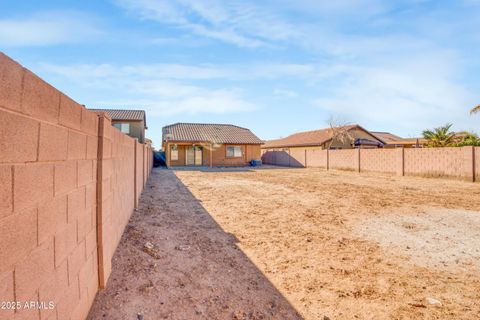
x=297 y=243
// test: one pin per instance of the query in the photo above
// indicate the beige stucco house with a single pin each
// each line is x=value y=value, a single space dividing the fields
x=130 y=122
x=205 y=144
x=353 y=136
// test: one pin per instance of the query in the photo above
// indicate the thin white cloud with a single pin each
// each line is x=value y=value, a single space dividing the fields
x=201 y=101
x=159 y=89
x=142 y=71
x=83 y=72
x=48 y=28
x=283 y=93
x=407 y=96
x=244 y=24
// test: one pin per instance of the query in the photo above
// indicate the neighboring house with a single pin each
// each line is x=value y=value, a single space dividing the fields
x=385 y=136
x=394 y=141
x=356 y=137
x=130 y=122
x=202 y=144
x=407 y=143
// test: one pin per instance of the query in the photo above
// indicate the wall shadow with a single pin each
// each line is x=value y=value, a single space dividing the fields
x=175 y=262
x=231 y=169
x=281 y=158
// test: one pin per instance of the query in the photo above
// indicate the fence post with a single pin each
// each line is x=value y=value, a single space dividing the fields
x=358 y=159
x=305 y=157
x=328 y=159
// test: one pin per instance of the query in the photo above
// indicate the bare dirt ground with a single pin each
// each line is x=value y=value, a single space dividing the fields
x=266 y=244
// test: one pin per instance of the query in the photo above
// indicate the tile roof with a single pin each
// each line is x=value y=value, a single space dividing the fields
x=385 y=136
x=408 y=141
x=124 y=114
x=305 y=139
x=206 y=132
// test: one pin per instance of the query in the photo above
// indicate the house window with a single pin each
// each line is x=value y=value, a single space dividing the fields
x=174 y=153
x=124 y=127
x=234 y=151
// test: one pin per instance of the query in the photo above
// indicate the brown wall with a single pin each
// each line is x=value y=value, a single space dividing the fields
x=317 y=158
x=461 y=163
x=379 y=160
x=137 y=129
x=343 y=159
x=434 y=162
x=219 y=158
x=66 y=175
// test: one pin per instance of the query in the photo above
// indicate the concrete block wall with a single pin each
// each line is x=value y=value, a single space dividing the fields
x=378 y=160
x=317 y=158
x=434 y=162
x=48 y=187
x=145 y=164
x=117 y=191
x=139 y=153
x=297 y=158
x=342 y=159
x=54 y=165
x=461 y=163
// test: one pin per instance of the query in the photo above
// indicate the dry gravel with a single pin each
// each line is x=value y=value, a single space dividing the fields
x=266 y=244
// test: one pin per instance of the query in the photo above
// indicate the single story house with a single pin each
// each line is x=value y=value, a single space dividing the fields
x=130 y=122
x=204 y=144
x=386 y=136
x=353 y=136
x=407 y=143
x=394 y=141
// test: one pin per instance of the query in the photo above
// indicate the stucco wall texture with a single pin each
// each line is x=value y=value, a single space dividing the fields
x=461 y=163
x=67 y=191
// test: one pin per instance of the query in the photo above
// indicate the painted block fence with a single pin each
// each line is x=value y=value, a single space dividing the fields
x=69 y=182
x=460 y=163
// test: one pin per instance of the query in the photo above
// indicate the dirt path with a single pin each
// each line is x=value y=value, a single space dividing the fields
x=266 y=244
x=354 y=246
x=175 y=262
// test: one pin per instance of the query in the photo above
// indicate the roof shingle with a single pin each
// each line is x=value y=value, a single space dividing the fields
x=214 y=133
x=304 y=139
x=124 y=114
x=385 y=136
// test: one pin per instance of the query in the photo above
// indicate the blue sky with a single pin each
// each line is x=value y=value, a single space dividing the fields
x=276 y=67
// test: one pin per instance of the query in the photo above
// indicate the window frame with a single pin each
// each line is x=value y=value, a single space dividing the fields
x=172 y=152
x=121 y=126
x=234 y=156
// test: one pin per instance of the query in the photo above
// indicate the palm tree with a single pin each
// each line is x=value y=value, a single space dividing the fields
x=440 y=137
x=475 y=110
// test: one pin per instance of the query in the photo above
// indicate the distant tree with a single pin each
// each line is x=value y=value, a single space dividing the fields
x=341 y=132
x=475 y=109
x=440 y=137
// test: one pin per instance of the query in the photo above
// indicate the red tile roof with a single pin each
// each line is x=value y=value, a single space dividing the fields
x=206 y=132
x=305 y=139
x=385 y=136
x=408 y=141
x=124 y=114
